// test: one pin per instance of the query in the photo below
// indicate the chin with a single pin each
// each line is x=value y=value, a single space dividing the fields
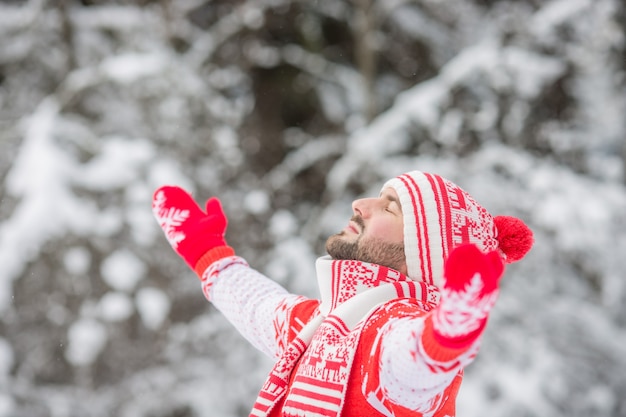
x=342 y=246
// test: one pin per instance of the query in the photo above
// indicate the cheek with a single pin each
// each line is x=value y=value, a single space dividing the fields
x=391 y=232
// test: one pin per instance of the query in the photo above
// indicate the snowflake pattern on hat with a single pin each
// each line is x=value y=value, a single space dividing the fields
x=438 y=216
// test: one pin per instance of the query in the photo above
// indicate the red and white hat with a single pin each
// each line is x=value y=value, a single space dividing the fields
x=439 y=216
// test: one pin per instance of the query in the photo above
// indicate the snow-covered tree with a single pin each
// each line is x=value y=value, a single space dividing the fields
x=288 y=110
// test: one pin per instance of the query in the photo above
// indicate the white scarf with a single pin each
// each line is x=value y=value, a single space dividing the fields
x=350 y=292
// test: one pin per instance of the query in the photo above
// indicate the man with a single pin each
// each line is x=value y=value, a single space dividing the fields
x=405 y=295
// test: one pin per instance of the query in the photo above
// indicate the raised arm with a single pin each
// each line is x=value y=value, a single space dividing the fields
x=262 y=311
x=421 y=355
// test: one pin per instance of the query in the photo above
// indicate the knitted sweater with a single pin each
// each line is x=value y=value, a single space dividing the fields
x=361 y=350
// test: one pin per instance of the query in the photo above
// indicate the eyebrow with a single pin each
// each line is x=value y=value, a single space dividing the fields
x=391 y=197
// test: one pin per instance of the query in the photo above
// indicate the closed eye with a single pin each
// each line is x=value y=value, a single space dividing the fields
x=393 y=205
x=393 y=209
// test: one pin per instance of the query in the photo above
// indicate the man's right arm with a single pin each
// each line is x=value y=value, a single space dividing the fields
x=264 y=312
x=261 y=310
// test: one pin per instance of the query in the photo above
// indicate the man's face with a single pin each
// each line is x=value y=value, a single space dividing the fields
x=374 y=234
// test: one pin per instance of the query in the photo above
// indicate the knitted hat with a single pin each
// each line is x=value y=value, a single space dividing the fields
x=439 y=216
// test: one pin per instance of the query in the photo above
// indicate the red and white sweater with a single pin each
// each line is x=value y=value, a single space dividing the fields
x=359 y=351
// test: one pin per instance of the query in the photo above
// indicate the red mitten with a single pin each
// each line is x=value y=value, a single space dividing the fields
x=198 y=237
x=470 y=290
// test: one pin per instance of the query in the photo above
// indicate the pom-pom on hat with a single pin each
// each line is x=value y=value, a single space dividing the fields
x=439 y=216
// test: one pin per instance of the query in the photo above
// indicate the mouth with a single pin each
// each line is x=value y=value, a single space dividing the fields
x=353 y=228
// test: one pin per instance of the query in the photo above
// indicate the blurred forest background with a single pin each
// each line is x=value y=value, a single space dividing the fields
x=288 y=110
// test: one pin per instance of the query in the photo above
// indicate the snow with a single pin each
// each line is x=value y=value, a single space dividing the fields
x=165 y=171
x=39 y=178
x=7 y=360
x=115 y=307
x=86 y=340
x=531 y=72
x=153 y=306
x=7 y=405
x=77 y=260
x=257 y=202
x=422 y=104
x=127 y=68
x=116 y=163
x=548 y=18
x=283 y=224
x=522 y=105
x=122 y=270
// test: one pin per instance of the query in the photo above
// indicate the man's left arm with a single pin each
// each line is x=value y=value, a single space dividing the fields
x=420 y=356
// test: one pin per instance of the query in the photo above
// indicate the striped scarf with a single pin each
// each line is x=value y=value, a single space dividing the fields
x=323 y=351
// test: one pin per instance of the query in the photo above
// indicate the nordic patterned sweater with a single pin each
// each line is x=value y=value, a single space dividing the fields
x=361 y=350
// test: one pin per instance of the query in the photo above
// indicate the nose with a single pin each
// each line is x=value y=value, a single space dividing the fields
x=363 y=206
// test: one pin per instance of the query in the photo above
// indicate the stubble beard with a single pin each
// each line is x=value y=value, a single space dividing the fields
x=371 y=250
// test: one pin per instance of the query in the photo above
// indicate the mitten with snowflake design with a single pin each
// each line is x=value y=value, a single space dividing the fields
x=196 y=235
x=469 y=292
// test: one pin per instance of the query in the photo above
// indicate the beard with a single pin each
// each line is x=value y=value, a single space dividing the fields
x=372 y=250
